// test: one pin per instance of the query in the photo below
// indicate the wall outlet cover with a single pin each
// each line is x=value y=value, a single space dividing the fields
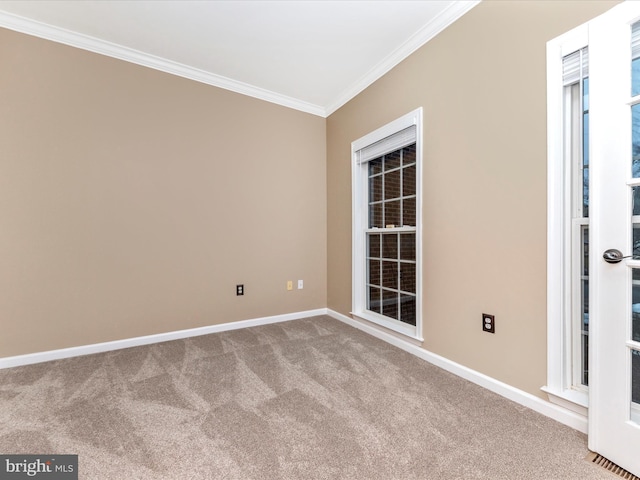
x=488 y=323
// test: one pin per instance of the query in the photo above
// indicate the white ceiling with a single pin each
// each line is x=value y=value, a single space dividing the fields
x=310 y=55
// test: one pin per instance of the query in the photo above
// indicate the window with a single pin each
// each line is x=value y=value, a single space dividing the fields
x=386 y=232
x=576 y=119
x=568 y=220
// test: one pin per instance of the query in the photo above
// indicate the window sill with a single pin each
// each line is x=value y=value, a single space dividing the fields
x=573 y=400
x=398 y=327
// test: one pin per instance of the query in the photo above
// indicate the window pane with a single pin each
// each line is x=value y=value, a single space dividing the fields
x=635 y=140
x=585 y=192
x=409 y=181
x=390 y=246
x=392 y=185
x=636 y=239
x=408 y=277
x=391 y=160
x=374 y=304
x=584 y=306
x=390 y=304
x=584 y=334
x=375 y=216
x=409 y=212
x=635 y=77
x=585 y=360
x=408 y=309
x=374 y=244
x=375 y=188
x=585 y=250
x=375 y=166
x=390 y=274
x=635 y=305
x=635 y=376
x=392 y=213
x=408 y=246
x=409 y=154
x=636 y=201
x=374 y=272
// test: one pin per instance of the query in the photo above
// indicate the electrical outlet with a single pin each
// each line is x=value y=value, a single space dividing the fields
x=289 y=284
x=300 y=284
x=488 y=323
x=239 y=290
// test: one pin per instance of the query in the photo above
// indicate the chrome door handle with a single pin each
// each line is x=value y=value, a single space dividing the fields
x=613 y=255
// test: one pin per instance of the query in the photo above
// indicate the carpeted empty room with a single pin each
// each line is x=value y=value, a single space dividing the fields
x=305 y=399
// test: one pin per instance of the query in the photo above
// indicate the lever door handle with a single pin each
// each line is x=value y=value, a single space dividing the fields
x=613 y=255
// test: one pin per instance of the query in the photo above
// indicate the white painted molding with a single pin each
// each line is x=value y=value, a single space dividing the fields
x=39 y=357
x=103 y=47
x=562 y=415
x=417 y=40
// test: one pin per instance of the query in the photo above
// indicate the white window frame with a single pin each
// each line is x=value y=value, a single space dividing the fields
x=359 y=178
x=562 y=354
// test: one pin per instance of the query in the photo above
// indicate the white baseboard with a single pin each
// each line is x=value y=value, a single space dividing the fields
x=39 y=357
x=562 y=415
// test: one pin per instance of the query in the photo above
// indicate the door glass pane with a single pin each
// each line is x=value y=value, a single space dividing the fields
x=635 y=63
x=635 y=305
x=635 y=77
x=635 y=385
x=636 y=201
x=636 y=240
x=635 y=141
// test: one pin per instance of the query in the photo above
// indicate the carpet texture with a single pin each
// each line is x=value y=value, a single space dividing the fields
x=305 y=399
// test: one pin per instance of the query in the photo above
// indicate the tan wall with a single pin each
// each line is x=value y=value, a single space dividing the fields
x=482 y=83
x=133 y=201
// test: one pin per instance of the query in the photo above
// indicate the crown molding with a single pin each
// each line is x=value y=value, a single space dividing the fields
x=417 y=40
x=102 y=47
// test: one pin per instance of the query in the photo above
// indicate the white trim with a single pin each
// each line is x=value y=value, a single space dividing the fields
x=103 y=47
x=50 y=355
x=397 y=327
x=574 y=400
x=96 y=45
x=417 y=40
x=359 y=189
x=562 y=415
x=559 y=294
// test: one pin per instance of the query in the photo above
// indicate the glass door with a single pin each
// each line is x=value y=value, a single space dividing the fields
x=614 y=377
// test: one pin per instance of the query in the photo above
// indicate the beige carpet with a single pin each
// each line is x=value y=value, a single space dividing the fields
x=306 y=399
